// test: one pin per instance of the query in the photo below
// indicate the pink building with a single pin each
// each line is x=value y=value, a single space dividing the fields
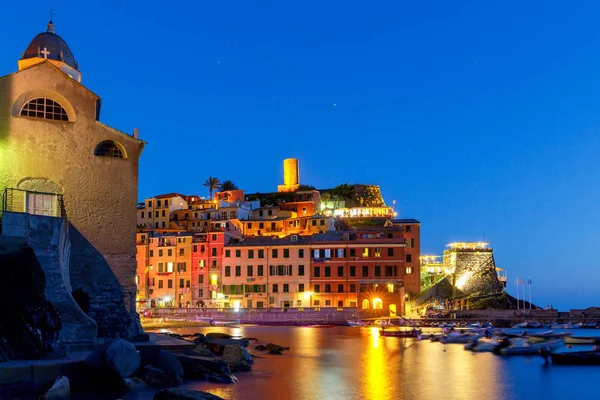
x=264 y=272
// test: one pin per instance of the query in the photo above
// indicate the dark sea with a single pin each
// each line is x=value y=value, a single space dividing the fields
x=356 y=363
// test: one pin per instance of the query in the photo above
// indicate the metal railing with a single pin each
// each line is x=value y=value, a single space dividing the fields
x=31 y=202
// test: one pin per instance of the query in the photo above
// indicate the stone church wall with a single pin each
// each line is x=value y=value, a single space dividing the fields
x=100 y=193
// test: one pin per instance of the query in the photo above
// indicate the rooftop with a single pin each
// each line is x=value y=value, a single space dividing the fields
x=272 y=241
x=405 y=221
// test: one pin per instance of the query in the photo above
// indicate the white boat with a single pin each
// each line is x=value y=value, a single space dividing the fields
x=566 y=326
x=536 y=337
x=581 y=340
x=215 y=322
x=522 y=346
x=356 y=323
x=483 y=345
x=462 y=338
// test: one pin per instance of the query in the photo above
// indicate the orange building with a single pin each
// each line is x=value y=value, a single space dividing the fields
x=305 y=204
x=164 y=269
x=362 y=268
x=412 y=234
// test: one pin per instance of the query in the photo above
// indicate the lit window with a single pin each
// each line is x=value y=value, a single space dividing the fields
x=44 y=108
x=365 y=252
x=108 y=148
x=409 y=270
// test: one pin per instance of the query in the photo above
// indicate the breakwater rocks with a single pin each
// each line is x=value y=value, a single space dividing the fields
x=116 y=366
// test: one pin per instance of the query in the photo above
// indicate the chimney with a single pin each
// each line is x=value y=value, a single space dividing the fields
x=136 y=133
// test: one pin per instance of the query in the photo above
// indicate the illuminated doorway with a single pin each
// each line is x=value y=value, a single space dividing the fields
x=393 y=310
x=365 y=304
x=377 y=304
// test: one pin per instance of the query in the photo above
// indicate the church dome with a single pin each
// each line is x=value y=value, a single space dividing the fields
x=50 y=46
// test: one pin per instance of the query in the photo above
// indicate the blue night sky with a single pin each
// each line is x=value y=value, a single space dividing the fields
x=480 y=120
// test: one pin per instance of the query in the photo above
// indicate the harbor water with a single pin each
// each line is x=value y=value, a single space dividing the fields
x=356 y=363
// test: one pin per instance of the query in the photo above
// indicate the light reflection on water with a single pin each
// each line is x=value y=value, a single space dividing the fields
x=356 y=363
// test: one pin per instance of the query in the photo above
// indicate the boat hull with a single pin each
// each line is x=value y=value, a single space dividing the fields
x=581 y=340
x=576 y=358
x=409 y=334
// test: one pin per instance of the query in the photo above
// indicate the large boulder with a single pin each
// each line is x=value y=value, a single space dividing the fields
x=184 y=394
x=158 y=378
x=218 y=335
x=61 y=390
x=170 y=364
x=236 y=353
x=29 y=324
x=96 y=374
x=123 y=357
x=238 y=358
x=213 y=369
x=200 y=350
x=275 y=348
x=217 y=346
x=135 y=383
x=200 y=338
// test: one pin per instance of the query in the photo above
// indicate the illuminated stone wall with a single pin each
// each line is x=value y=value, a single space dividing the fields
x=475 y=270
x=100 y=193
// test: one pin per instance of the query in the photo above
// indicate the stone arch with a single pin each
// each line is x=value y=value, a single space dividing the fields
x=41 y=185
x=44 y=93
x=110 y=149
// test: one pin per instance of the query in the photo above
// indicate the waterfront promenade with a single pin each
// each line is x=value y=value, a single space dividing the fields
x=339 y=316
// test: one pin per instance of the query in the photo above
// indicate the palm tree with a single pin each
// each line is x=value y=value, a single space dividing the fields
x=212 y=183
x=228 y=185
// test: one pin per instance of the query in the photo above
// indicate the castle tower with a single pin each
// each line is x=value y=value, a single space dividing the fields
x=291 y=175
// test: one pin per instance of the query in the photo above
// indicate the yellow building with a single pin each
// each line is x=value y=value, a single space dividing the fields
x=156 y=212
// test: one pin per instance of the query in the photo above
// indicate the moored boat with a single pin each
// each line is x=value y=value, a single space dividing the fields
x=581 y=340
x=567 y=326
x=461 y=338
x=535 y=337
x=573 y=357
x=522 y=346
x=481 y=345
x=357 y=323
x=412 y=333
x=318 y=326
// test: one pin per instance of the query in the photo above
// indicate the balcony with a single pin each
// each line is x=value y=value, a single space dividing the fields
x=36 y=203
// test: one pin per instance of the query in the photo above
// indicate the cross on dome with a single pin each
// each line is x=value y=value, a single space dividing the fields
x=45 y=52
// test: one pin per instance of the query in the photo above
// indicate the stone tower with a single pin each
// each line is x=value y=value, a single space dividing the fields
x=291 y=175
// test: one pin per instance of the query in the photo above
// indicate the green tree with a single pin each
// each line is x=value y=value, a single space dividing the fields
x=212 y=183
x=343 y=191
x=228 y=185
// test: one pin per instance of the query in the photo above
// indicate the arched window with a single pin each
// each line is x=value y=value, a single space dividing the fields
x=44 y=108
x=108 y=148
